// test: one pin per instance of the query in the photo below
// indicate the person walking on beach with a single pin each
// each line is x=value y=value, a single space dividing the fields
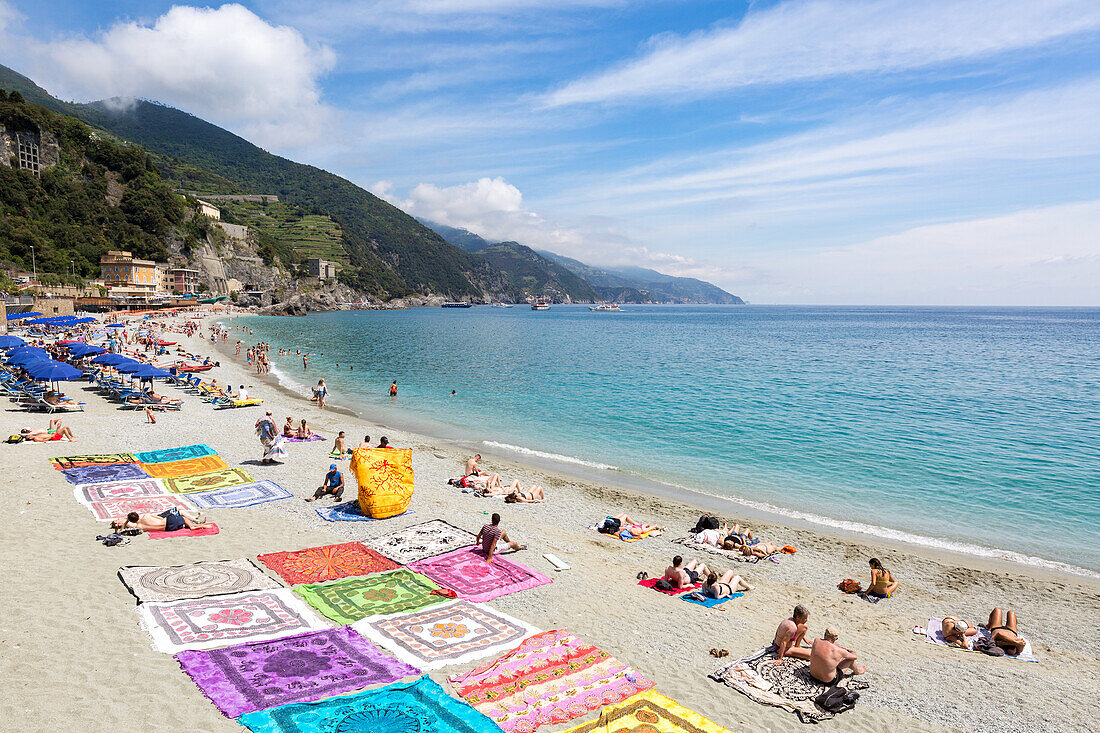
x=320 y=392
x=269 y=435
x=393 y=388
x=490 y=535
x=332 y=484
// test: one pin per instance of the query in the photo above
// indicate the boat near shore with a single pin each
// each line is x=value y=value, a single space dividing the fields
x=606 y=308
x=540 y=305
x=457 y=304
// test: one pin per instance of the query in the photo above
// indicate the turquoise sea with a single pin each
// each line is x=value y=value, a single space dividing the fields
x=974 y=429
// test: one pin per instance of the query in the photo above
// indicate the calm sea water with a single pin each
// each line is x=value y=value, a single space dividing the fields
x=972 y=429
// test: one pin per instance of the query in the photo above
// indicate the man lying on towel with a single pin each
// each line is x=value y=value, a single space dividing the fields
x=168 y=521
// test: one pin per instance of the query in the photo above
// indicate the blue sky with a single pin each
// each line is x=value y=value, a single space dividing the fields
x=829 y=151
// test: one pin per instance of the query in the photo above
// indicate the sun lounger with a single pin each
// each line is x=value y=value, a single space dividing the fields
x=226 y=404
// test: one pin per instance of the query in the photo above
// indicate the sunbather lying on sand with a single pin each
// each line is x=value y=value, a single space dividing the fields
x=486 y=485
x=56 y=431
x=685 y=576
x=727 y=585
x=828 y=660
x=1002 y=630
x=533 y=494
x=958 y=632
x=168 y=521
x=762 y=549
x=626 y=526
x=789 y=636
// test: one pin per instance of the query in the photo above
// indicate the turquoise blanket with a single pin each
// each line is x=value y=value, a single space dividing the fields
x=420 y=706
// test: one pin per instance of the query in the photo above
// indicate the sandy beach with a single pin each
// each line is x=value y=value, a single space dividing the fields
x=76 y=659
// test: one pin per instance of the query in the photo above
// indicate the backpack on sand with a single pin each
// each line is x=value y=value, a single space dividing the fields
x=837 y=700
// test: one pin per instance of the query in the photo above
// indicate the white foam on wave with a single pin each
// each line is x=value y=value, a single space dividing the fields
x=550 y=456
x=898 y=535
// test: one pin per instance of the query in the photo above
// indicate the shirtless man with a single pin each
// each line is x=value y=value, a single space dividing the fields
x=828 y=660
x=685 y=576
x=366 y=442
x=339 y=446
x=472 y=469
x=789 y=636
x=56 y=431
x=168 y=521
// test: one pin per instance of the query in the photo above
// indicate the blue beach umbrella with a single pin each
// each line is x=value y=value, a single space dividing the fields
x=53 y=371
x=82 y=350
x=24 y=350
x=24 y=359
x=10 y=342
x=148 y=371
x=18 y=316
x=129 y=366
x=110 y=359
x=86 y=319
x=114 y=325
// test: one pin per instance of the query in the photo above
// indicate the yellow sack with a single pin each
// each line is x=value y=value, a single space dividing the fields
x=385 y=477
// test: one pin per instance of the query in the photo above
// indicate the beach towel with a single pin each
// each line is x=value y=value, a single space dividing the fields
x=274 y=449
x=349 y=511
x=419 y=541
x=550 y=678
x=709 y=602
x=236 y=497
x=649 y=712
x=933 y=633
x=110 y=509
x=102 y=473
x=787 y=686
x=310 y=439
x=186 y=467
x=626 y=536
x=208 y=623
x=166 y=455
x=224 y=479
x=454 y=633
x=87 y=493
x=195 y=580
x=417 y=707
x=318 y=564
x=466 y=572
x=732 y=555
x=98 y=459
x=652 y=583
x=348 y=600
x=209 y=529
x=244 y=678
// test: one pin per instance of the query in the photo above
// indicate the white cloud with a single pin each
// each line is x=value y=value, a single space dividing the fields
x=798 y=41
x=1046 y=256
x=224 y=64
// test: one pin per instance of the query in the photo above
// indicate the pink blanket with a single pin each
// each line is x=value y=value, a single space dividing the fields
x=466 y=572
x=158 y=534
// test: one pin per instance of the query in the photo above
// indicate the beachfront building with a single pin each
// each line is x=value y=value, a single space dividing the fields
x=321 y=269
x=123 y=270
x=184 y=280
x=208 y=209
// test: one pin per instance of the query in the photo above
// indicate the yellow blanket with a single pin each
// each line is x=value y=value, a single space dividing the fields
x=649 y=712
x=385 y=477
x=186 y=467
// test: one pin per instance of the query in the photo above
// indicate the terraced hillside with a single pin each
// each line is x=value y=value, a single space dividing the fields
x=290 y=231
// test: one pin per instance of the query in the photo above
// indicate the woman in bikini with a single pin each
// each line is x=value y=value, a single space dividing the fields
x=883 y=584
x=56 y=431
x=958 y=632
x=531 y=495
x=1002 y=630
x=727 y=585
x=304 y=433
x=289 y=431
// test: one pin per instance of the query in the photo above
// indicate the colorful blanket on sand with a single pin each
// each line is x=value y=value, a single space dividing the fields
x=98 y=459
x=318 y=564
x=207 y=623
x=87 y=493
x=349 y=511
x=422 y=540
x=732 y=555
x=165 y=455
x=649 y=712
x=466 y=572
x=224 y=479
x=245 y=678
x=346 y=601
x=453 y=633
x=787 y=686
x=709 y=602
x=417 y=707
x=652 y=583
x=111 y=509
x=196 y=580
x=209 y=529
x=186 y=467
x=933 y=633
x=236 y=497
x=102 y=473
x=310 y=439
x=550 y=678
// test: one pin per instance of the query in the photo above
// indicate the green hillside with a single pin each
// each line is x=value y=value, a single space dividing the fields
x=288 y=232
x=537 y=276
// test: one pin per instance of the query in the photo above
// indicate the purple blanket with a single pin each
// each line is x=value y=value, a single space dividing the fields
x=249 y=677
x=310 y=439
x=101 y=474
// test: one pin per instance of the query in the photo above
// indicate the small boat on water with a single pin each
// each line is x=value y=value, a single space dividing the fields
x=457 y=304
x=540 y=305
x=502 y=305
x=606 y=308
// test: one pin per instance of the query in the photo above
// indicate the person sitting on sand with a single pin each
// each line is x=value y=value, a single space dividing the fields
x=882 y=584
x=56 y=431
x=958 y=632
x=168 y=521
x=490 y=535
x=366 y=442
x=721 y=587
x=303 y=432
x=472 y=467
x=789 y=636
x=339 y=446
x=332 y=484
x=289 y=431
x=685 y=576
x=533 y=494
x=384 y=442
x=828 y=660
x=1002 y=631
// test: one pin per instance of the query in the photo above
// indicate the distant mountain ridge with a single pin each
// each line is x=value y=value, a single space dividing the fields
x=620 y=284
